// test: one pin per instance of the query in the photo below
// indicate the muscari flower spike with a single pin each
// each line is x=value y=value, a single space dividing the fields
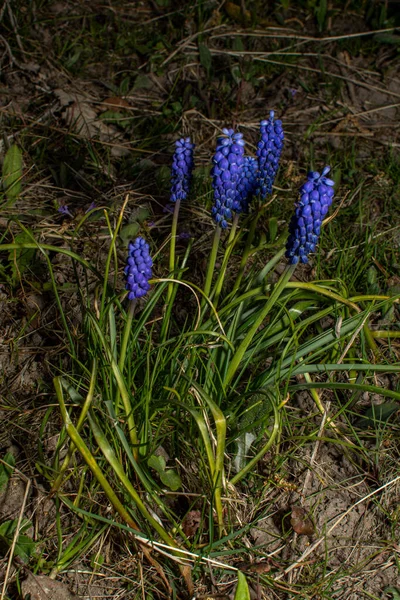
x=138 y=269
x=316 y=196
x=182 y=167
x=64 y=210
x=226 y=172
x=269 y=151
x=247 y=184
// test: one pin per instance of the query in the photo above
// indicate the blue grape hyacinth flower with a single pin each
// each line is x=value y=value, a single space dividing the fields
x=182 y=167
x=316 y=196
x=247 y=184
x=269 y=150
x=226 y=172
x=64 y=210
x=138 y=270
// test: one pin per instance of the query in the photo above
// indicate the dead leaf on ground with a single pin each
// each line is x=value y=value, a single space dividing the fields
x=257 y=567
x=82 y=118
x=41 y=587
x=191 y=523
x=301 y=522
x=116 y=101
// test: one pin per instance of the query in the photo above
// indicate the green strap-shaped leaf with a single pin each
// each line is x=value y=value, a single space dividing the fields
x=12 y=172
x=242 y=589
x=6 y=469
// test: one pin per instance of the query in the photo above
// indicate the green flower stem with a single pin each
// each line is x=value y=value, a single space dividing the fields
x=124 y=345
x=276 y=292
x=81 y=420
x=125 y=337
x=229 y=247
x=246 y=252
x=172 y=247
x=89 y=459
x=211 y=264
x=252 y=463
x=167 y=316
x=112 y=252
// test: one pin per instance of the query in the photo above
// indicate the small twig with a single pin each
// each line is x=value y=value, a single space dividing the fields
x=15 y=538
x=358 y=114
x=187 y=42
x=353 y=337
x=8 y=50
x=315 y=451
x=14 y=26
x=278 y=32
x=2 y=10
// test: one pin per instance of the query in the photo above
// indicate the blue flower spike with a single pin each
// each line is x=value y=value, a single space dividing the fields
x=138 y=270
x=316 y=196
x=269 y=151
x=247 y=184
x=64 y=210
x=227 y=172
x=182 y=167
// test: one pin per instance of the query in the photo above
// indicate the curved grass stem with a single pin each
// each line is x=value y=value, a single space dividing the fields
x=211 y=264
x=273 y=435
x=172 y=247
x=125 y=336
x=71 y=450
x=229 y=248
x=246 y=253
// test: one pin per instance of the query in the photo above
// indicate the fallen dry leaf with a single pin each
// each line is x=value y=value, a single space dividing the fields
x=191 y=523
x=301 y=522
x=116 y=101
x=82 y=118
x=257 y=567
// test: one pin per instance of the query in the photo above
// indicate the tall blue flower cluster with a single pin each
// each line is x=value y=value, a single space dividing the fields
x=182 y=167
x=138 y=270
x=269 y=151
x=316 y=196
x=247 y=184
x=226 y=172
